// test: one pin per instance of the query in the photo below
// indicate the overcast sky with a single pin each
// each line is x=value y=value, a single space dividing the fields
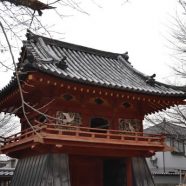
x=139 y=27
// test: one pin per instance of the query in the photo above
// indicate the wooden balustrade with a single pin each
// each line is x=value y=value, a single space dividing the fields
x=21 y=135
x=85 y=133
x=103 y=133
x=80 y=140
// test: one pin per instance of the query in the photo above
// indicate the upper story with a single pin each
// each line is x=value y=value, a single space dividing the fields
x=59 y=85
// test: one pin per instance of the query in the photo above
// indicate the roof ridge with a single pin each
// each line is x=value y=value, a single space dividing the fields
x=112 y=71
x=72 y=46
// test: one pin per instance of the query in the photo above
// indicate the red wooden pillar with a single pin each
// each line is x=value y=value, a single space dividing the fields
x=129 y=171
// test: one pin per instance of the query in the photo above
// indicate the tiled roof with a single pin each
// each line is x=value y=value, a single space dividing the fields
x=168 y=129
x=167 y=172
x=90 y=66
x=6 y=172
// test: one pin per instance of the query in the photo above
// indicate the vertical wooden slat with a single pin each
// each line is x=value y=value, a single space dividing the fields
x=42 y=170
x=32 y=173
x=40 y=166
x=142 y=174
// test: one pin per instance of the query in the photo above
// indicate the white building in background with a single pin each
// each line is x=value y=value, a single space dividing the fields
x=169 y=168
x=7 y=167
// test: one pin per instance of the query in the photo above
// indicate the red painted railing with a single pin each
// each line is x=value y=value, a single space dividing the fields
x=76 y=132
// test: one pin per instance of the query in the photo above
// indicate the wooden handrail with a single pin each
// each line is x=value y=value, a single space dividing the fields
x=85 y=132
x=57 y=126
x=20 y=135
x=106 y=135
x=25 y=131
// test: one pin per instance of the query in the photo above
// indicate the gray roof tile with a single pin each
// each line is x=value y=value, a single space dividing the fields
x=92 y=66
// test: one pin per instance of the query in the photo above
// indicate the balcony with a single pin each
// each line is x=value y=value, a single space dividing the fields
x=81 y=140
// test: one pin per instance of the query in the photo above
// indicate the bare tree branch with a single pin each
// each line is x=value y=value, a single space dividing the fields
x=18 y=81
x=32 y=4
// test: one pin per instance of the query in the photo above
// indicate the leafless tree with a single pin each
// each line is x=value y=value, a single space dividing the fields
x=176 y=115
x=8 y=124
x=178 y=41
x=16 y=16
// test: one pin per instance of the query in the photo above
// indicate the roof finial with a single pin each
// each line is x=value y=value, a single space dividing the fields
x=29 y=34
x=151 y=79
x=125 y=56
x=62 y=63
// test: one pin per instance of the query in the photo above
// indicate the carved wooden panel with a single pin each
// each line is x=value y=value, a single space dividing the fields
x=68 y=118
x=133 y=125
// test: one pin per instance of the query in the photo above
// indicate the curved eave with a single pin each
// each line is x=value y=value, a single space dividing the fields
x=179 y=94
x=151 y=103
x=12 y=86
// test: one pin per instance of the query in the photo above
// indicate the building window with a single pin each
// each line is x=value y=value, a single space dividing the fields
x=99 y=101
x=68 y=118
x=133 y=125
x=126 y=104
x=67 y=97
x=101 y=123
x=178 y=145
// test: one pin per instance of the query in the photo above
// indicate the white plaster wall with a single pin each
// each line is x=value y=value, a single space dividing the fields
x=171 y=161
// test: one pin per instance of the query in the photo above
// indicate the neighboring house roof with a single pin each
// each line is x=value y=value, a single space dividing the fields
x=87 y=65
x=167 y=129
x=166 y=173
x=6 y=172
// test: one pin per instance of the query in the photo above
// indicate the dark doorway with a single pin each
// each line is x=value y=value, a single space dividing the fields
x=100 y=123
x=85 y=171
x=114 y=172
